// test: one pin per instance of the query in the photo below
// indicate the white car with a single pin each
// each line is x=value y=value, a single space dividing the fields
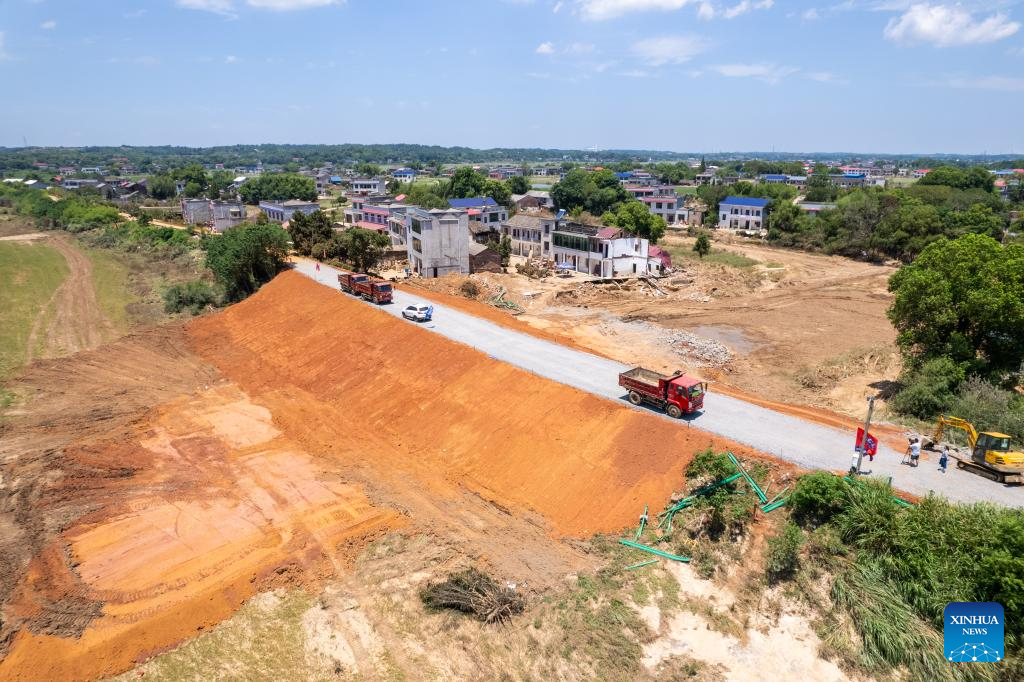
x=418 y=312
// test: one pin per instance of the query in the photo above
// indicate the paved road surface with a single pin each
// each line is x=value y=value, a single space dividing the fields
x=791 y=438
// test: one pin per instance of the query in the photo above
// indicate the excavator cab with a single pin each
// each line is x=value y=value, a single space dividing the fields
x=994 y=448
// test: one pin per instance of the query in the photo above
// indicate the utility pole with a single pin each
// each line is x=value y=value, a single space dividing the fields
x=864 y=441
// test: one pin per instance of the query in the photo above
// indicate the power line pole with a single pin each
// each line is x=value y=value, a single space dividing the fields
x=864 y=441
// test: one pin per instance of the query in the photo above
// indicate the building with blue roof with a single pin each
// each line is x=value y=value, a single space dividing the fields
x=481 y=209
x=744 y=214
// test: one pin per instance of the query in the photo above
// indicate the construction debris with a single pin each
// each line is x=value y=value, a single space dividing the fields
x=700 y=351
x=475 y=593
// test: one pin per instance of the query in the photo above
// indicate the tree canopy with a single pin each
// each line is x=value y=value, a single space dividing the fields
x=974 y=177
x=963 y=299
x=595 y=192
x=277 y=187
x=634 y=217
x=245 y=257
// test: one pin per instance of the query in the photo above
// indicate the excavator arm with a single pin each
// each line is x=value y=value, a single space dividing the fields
x=945 y=422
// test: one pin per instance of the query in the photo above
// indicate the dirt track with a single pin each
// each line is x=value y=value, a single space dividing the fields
x=72 y=319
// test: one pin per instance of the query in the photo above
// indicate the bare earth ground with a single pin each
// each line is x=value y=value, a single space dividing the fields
x=150 y=487
x=798 y=328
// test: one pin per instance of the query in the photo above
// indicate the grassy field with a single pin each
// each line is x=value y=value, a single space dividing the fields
x=718 y=256
x=686 y=189
x=110 y=279
x=29 y=274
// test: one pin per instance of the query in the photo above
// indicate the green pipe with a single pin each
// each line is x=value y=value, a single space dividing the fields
x=645 y=548
x=643 y=524
x=772 y=506
x=750 y=480
x=781 y=493
x=642 y=564
x=700 y=491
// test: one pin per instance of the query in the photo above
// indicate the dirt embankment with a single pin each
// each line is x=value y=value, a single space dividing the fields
x=127 y=528
x=372 y=391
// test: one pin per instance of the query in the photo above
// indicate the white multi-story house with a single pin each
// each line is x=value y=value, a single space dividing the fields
x=530 y=233
x=368 y=186
x=216 y=215
x=602 y=251
x=743 y=213
x=665 y=205
x=437 y=241
x=282 y=211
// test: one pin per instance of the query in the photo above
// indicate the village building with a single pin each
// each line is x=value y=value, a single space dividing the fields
x=437 y=241
x=530 y=233
x=214 y=215
x=282 y=211
x=743 y=213
x=602 y=251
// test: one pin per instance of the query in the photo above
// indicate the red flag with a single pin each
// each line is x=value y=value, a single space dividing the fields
x=872 y=445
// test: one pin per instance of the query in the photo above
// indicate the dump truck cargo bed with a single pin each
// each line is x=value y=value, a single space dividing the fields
x=648 y=376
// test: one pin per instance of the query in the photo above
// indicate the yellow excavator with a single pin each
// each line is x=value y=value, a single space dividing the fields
x=991 y=456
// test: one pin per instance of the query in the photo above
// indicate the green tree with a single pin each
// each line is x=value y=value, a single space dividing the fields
x=702 y=246
x=499 y=191
x=962 y=299
x=277 y=187
x=368 y=170
x=467 y=182
x=161 y=187
x=365 y=248
x=820 y=186
x=504 y=248
x=634 y=217
x=245 y=257
x=309 y=230
x=518 y=184
x=961 y=178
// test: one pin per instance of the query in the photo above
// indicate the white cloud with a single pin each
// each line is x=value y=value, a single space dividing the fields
x=231 y=59
x=746 y=6
x=216 y=6
x=545 y=48
x=809 y=15
x=3 y=53
x=767 y=73
x=636 y=73
x=48 y=25
x=289 y=5
x=947 y=26
x=998 y=83
x=558 y=6
x=1016 y=52
x=600 y=10
x=706 y=11
x=669 y=49
x=227 y=7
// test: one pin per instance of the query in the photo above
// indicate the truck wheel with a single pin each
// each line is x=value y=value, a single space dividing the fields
x=674 y=411
x=635 y=398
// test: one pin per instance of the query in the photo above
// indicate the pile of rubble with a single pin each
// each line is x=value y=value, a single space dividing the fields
x=697 y=350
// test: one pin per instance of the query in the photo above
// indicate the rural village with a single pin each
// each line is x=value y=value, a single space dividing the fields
x=579 y=409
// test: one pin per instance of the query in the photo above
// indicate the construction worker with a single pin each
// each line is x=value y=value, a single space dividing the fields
x=944 y=458
x=914 y=450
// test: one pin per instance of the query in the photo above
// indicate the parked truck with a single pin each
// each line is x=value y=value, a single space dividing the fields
x=364 y=286
x=677 y=394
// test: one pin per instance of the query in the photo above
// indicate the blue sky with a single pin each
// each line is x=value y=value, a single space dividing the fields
x=685 y=75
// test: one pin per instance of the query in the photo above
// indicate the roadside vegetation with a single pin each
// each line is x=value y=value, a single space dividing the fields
x=29 y=275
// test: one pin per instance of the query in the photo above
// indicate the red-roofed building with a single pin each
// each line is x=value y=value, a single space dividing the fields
x=662 y=255
x=602 y=251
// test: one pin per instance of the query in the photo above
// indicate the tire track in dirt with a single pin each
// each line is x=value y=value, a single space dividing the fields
x=78 y=323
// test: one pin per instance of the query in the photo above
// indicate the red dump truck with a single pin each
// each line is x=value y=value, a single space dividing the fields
x=364 y=286
x=677 y=394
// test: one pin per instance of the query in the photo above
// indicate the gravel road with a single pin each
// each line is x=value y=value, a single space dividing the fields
x=791 y=438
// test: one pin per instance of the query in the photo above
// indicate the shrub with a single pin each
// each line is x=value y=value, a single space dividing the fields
x=784 y=552
x=192 y=296
x=929 y=390
x=475 y=593
x=817 y=498
x=469 y=289
x=989 y=407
